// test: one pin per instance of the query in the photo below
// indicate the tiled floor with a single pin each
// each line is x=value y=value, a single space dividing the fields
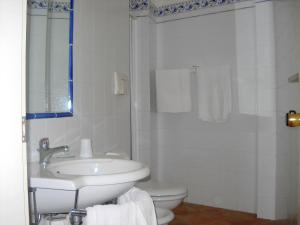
x=190 y=214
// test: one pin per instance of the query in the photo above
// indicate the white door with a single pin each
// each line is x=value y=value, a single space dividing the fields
x=13 y=162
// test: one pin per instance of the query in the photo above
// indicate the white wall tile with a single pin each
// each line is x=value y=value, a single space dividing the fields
x=37 y=129
x=56 y=131
x=237 y=164
x=264 y=210
x=287 y=64
x=210 y=159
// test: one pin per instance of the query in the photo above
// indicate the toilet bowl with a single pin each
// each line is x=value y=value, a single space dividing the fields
x=164 y=216
x=164 y=195
x=168 y=202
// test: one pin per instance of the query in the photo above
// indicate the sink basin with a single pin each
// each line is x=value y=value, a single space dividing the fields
x=97 y=180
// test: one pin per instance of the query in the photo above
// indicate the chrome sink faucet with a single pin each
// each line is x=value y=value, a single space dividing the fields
x=46 y=152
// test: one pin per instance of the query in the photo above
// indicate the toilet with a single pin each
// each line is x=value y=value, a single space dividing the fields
x=164 y=216
x=165 y=197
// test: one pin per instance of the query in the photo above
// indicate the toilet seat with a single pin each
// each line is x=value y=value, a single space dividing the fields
x=168 y=197
x=161 y=189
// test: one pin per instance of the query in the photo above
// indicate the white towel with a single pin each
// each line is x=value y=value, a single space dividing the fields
x=143 y=200
x=126 y=214
x=173 y=90
x=214 y=93
x=134 y=208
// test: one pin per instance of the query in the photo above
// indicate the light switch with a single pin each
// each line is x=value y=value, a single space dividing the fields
x=120 y=83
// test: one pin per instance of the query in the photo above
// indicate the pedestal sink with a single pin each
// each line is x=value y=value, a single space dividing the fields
x=97 y=180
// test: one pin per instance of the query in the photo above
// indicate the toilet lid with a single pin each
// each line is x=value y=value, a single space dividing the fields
x=158 y=189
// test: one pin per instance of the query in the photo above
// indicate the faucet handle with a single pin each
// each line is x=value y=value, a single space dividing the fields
x=44 y=144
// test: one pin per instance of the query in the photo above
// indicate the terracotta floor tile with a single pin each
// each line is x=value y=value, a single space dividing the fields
x=197 y=218
x=191 y=214
x=185 y=209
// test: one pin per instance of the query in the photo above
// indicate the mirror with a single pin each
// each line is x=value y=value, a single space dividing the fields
x=50 y=60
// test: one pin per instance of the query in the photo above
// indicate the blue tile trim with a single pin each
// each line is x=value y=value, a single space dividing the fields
x=139 y=5
x=71 y=56
x=37 y=4
x=182 y=7
x=70 y=103
x=58 y=7
x=51 y=5
x=189 y=6
x=30 y=116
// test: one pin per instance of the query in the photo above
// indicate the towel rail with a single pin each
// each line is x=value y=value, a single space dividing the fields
x=36 y=216
x=76 y=216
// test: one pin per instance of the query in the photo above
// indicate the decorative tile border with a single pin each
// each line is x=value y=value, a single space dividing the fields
x=56 y=6
x=37 y=4
x=188 y=6
x=139 y=5
x=52 y=6
x=181 y=7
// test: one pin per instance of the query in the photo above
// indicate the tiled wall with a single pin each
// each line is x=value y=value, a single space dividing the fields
x=277 y=60
x=144 y=61
x=217 y=161
x=141 y=89
x=250 y=162
x=101 y=46
x=287 y=64
x=266 y=110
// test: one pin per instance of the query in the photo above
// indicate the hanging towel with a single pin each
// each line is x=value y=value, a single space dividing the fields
x=143 y=200
x=130 y=210
x=214 y=93
x=127 y=214
x=173 y=90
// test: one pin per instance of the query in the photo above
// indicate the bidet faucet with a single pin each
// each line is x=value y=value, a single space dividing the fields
x=46 y=152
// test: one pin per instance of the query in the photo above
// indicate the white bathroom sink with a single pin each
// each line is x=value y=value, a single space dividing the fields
x=98 y=181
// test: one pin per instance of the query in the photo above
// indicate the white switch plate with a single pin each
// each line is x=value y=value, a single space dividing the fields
x=120 y=83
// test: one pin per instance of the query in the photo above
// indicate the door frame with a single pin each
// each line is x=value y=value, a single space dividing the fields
x=13 y=160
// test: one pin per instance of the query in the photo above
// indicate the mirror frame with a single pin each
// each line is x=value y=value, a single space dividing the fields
x=70 y=78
